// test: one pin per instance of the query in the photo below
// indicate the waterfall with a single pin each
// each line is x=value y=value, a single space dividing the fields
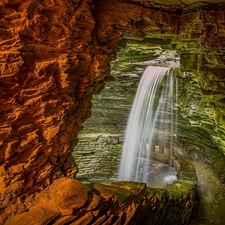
x=153 y=98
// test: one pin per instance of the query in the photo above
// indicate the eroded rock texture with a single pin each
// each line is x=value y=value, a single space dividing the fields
x=203 y=92
x=54 y=56
x=70 y=202
x=46 y=59
x=51 y=64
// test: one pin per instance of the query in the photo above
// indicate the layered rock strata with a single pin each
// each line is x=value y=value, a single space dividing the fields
x=42 y=79
x=54 y=56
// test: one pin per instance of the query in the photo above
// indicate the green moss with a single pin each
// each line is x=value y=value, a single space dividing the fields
x=129 y=185
x=180 y=187
x=156 y=191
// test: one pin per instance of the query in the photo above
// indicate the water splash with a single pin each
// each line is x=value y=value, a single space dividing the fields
x=151 y=92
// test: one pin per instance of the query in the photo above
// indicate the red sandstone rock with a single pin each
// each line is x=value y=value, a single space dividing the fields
x=35 y=216
x=69 y=195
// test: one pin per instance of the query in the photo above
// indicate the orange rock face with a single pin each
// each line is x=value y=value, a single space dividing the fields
x=45 y=58
x=54 y=56
x=68 y=201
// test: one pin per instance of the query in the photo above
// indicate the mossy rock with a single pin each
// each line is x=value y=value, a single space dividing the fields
x=181 y=187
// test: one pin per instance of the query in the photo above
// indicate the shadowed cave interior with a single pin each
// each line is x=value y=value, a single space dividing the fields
x=63 y=62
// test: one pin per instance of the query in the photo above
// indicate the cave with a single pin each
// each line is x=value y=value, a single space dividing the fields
x=58 y=58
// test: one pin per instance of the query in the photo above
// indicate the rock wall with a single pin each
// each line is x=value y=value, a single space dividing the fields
x=54 y=56
x=201 y=100
x=43 y=54
x=97 y=157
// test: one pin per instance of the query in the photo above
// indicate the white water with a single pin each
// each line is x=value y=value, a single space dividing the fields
x=151 y=92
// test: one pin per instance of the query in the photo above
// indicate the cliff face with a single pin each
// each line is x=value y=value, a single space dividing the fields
x=54 y=57
x=46 y=59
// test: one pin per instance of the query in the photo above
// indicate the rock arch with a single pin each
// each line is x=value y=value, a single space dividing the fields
x=54 y=56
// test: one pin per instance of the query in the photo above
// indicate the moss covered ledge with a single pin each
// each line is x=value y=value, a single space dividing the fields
x=139 y=204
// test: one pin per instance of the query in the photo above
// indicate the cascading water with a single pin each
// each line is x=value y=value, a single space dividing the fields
x=153 y=97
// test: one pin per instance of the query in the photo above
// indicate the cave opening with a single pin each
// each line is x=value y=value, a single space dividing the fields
x=100 y=142
x=99 y=149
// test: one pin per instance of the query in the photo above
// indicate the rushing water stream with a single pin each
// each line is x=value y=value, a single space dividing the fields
x=151 y=111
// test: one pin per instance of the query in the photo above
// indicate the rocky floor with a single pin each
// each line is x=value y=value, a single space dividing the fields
x=211 y=197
